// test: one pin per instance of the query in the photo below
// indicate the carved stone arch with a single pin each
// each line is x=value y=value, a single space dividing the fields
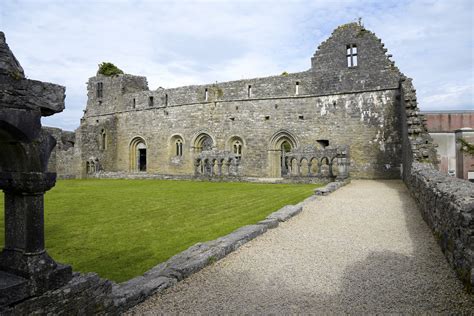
x=324 y=165
x=314 y=163
x=280 y=142
x=176 y=144
x=283 y=135
x=305 y=166
x=236 y=145
x=201 y=141
x=138 y=154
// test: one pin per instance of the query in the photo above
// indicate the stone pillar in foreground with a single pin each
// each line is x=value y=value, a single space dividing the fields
x=26 y=269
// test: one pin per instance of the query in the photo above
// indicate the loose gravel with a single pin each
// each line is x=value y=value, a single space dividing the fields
x=364 y=248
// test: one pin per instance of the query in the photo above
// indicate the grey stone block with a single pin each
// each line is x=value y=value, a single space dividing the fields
x=286 y=213
x=136 y=290
x=269 y=223
x=239 y=237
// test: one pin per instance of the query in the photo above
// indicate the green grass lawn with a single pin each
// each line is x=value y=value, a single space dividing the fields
x=122 y=228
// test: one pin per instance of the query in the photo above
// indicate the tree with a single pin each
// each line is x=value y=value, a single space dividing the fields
x=109 y=69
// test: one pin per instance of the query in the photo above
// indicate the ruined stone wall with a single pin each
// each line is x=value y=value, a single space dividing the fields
x=368 y=122
x=446 y=203
x=447 y=206
x=65 y=158
x=356 y=106
x=85 y=294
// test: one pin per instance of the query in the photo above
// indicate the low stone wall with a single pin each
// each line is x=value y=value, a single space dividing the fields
x=156 y=176
x=85 y=294
x=447 y=205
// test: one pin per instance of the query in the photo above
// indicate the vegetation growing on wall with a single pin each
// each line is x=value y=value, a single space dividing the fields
x=466 y=147
x=109 y=69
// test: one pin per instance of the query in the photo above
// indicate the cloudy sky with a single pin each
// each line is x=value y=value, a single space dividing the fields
x=176 y=43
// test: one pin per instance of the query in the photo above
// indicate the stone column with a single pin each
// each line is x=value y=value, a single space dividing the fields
x=25 y=267
x=24 y=254
x=343 y=168
x=197 y=164
x=219 y=168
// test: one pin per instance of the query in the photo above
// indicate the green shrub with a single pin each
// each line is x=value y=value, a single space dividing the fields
x=109 y=69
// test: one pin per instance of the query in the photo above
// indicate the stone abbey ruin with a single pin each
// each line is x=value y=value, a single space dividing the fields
x=352 y=114
x=344 y=111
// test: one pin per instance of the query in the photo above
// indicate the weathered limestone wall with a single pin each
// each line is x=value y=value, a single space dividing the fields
x=367 y=121
x=64 y=159
x=355 y=106
x=447 y=206
x=446 y=203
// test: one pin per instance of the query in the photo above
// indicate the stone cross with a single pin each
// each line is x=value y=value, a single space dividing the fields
x=25 y=267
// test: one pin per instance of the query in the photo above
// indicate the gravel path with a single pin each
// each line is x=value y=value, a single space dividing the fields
x=364 y=248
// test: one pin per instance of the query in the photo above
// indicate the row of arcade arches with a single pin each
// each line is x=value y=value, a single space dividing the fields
x=280 y=143
x=201 y=142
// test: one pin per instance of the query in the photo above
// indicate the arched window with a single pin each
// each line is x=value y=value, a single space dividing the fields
x=103 y=140
x=179 y=147
x=237 y=148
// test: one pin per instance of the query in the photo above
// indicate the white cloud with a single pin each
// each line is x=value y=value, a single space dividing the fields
x=192 y=42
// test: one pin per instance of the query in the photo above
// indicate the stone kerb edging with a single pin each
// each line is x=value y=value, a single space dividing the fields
x=331 y=187
x=128 y=294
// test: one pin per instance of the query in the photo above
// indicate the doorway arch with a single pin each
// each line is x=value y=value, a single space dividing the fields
x=280 y=143
x=138 y=155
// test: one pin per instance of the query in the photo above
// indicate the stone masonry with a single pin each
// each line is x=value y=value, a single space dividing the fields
x=349 y=97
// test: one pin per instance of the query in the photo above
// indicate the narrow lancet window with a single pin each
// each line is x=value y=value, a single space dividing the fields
x=100 y=89
x=206 y=95
x=103 y=140
x=166 y=99
x=134 y=103
x=297 y=88
x=179 y=147
x=249 y=91
x=351 y=55
x=150 y=101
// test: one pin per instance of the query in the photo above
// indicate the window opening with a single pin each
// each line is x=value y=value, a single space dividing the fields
x=150 y=101
x=323 y=142
x=206 y=95
x=134 y=103
x=179 y=147
x=249 y=91
x=237 y=149
x=100 y=89
x=351 y=55
x=297 y=88
x=103 y=140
